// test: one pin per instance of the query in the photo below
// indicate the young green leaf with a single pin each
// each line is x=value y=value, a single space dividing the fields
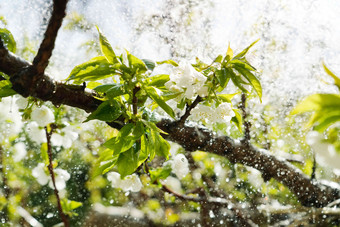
x=127 y=162
x=255 y=83
x=6 y=89
x=107 y=111
x=240 y=55
x=237 y=119
x=106 y=48
x=8 y=39
x=158 y=81
x=222 y=77
x=242 y=64
x=137 y=64
x=96 y=69
x=226 y=97
x=152 y=93
x=171 y=62
x=149 y=64
x=123 y=141
x=230 y=53
x=160 y=173
x=236 y=80
x=69 y=205
x=336 y=79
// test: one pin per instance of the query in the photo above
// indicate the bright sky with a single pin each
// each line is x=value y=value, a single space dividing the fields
x=295 y=36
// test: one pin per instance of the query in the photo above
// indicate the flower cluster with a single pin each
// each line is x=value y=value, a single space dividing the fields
x=61 y=176
x=188 y=80
x=129 y=183
x=222 y=114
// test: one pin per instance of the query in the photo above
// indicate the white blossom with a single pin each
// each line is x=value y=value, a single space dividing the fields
x=66 y=139
x=39 y=173
x=222 y=114
x=173 y=183
x=61 y=176
x=21 y=102
x=185 y=78
x=180 y=166
x=35 y=133
x=43 y=116
x=20 y=152
x=129 y=183
x=324 y=152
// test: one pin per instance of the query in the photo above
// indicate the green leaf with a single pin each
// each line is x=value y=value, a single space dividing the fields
x=326 y=108
x=6 y=89
x=144 y=150
x=137 y=65
x=69 y=205
x=151 y=91
x=107 y=111
x=139 y=130
x=123 y=141
x=127 y=162
x=227 y=97
x=327 y=121
x=317 y=102
x=105 y=163
x=218 y=59
x=96 y=69
x=106 y=48
x=149 y=64
x=8 y=39
x=160 y=173
x=171 y=62
x=222 y=77
x=243 y=52
x=255 y=83
x=242 y=64
x=111 y=90
x=230 y=53
x=236 y=80
x=237 y=119
x=158 y=80
x=336 y=79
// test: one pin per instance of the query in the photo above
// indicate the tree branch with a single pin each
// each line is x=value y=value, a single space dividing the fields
x=50 y=169
x=40 y=61
x=192 y=138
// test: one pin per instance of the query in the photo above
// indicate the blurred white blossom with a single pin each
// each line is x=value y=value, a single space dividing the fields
x=35 y=133
x=21 y=102
x=180 y=166
x=61 y=176
x=20 y=152
x=43 y=116
x=129 y=183
x=324 y=152
x=185 y=78
x=65 y=138
x=222 y=114
x=173 y=183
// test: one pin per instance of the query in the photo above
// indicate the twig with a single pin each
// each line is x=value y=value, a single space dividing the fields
x=135 y=100
x=188 y=109
x=4 y=185
x=40 y=61
x=246 y=124
x=50 y=169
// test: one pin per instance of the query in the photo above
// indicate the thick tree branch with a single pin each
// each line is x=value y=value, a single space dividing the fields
x=310 y=193
x=40 y=61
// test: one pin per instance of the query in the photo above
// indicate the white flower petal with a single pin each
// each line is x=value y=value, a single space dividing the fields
x=43 y=116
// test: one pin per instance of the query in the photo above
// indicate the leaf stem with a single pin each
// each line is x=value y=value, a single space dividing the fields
x=188 y=109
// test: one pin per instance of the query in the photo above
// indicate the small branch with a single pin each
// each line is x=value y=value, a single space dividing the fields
x=246 y=124
x=50 y=168
x=4 y=185
x=188 y=109
x=40 y=61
